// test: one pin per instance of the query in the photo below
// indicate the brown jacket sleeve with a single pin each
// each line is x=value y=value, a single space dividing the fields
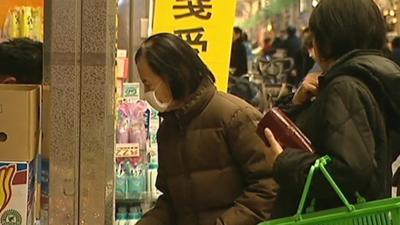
x=162 y=213
x=248 y=150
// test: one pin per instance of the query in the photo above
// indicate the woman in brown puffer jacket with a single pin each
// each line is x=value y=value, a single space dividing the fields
x=211 y=161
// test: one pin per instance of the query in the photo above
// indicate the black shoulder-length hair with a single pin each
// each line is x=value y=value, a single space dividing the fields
x=175 y=62
x=340 y=26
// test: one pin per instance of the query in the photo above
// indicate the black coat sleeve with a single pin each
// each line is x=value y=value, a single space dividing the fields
x=346 y=118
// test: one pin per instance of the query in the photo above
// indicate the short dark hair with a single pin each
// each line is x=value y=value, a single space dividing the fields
x=175 y=62
x=340 y=26
x=238 y=30
x=291 y=31
x=22 y=58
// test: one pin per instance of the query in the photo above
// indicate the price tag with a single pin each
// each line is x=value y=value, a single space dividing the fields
x=127 y=150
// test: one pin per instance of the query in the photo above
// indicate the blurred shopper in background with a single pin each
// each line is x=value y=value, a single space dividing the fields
x=249 y=51
x=350 y=113
x=292 y=44
x=238 y=62
x=279 y=40
x=267 y=48
x=293 y=47
x=212 y=169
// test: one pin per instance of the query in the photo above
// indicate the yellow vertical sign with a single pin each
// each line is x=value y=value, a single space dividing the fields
x=207 y=25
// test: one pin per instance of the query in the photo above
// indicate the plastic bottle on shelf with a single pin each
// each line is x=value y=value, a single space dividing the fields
x=134 y=219
x=121 y=178
x=130 y=180
x=151 y=180
x=134 y=216
x=122 y=216
x=136 y=181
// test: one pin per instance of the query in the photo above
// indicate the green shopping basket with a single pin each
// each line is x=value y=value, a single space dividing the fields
x=380 y=212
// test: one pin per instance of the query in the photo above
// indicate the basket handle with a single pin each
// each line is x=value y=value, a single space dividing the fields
x=320 y=165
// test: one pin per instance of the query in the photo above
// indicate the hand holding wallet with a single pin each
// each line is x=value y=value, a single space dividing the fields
x=285 y=131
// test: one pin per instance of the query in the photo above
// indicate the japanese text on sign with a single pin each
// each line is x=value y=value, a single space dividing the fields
x=198 y=10
x=187 y=35
x=206 y=25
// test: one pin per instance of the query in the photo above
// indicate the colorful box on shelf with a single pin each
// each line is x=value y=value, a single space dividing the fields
x=122 y=53
x=122 y=68
x=131 y=92
x=17 y=180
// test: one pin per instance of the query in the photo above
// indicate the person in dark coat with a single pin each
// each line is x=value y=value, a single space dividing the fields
x=212 y=168
x=293 y=47
x=350 y=113
x=238 y=62
x=292 y=44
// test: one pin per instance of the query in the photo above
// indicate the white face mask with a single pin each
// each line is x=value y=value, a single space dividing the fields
x=151 y=98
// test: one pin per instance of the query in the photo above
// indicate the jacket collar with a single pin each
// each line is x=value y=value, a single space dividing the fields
x=378 y=73
x=337 y=68
x=196 y=103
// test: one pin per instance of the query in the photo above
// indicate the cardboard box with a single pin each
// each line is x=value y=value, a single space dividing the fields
x=17 y=190
x=45 y=122
x=19 y=119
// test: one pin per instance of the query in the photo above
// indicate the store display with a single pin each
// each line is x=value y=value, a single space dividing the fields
x=17 y=180
x=131 y=91
x=131 y=183
x=24 y=21
x=44 y=157
x=134 y=215
x=151 y=180
x=122 y=216
x=121 y=72
x=131 y=218
x=136 y=155
x=136 y=168
x=131 y=123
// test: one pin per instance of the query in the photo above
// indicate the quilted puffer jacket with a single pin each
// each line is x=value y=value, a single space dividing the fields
x=354 y=120
x=212 y=166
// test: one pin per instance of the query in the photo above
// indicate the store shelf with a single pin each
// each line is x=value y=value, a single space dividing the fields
x=130 y=200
